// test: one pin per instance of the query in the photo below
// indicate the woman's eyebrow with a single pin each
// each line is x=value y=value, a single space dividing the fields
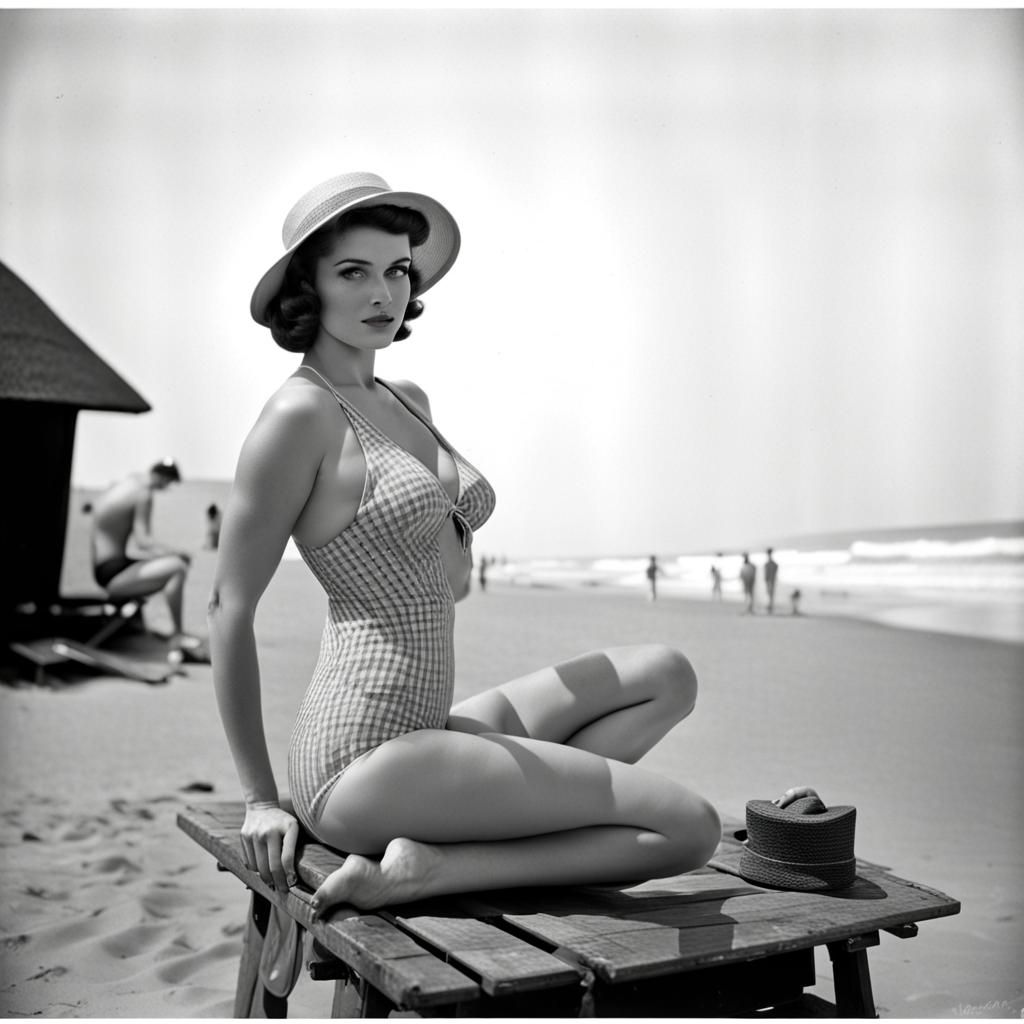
x=369 y=263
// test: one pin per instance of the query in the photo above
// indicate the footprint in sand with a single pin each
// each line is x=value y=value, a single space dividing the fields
x=76 y=833
x=124 y=806
x=163 y=900
x=111 y=864
x=136 y=941
x=184 y=967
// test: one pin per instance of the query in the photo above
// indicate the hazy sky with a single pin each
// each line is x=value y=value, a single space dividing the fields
x=725 y=276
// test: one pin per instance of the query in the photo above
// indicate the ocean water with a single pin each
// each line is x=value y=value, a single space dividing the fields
x=965 y=579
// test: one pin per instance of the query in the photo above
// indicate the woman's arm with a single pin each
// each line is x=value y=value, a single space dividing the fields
x=275 y=475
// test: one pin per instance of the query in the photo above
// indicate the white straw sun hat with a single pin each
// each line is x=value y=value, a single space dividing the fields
x=322 y=204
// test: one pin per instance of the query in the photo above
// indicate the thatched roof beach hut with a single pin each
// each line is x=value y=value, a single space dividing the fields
x=47 y=373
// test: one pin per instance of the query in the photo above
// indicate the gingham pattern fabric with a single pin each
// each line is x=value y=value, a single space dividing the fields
x=386 y=664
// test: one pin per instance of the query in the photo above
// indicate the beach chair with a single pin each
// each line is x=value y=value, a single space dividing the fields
x=85 y=624
x=112 y=615
x=707 y=943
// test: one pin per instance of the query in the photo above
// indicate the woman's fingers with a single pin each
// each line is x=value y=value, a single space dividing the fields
x=796 y=793
x=288 y=845
x=263 y=862
x=276 y=880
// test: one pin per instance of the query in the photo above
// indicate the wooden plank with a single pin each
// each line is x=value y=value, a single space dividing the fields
x=502 y=963
x=388 y=959
x=681 y=891
x=617 y=949
x=651 y=932
x=881 y=902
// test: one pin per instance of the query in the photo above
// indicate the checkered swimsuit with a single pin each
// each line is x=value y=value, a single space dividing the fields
x=386 y=664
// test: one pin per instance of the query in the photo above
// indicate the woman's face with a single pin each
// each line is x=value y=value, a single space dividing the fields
x=363 y=284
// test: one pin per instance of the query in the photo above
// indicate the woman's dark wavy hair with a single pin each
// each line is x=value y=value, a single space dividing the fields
x=294 y=313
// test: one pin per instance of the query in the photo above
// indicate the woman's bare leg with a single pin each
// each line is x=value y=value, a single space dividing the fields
x=529 y=786
x=492 y=811
x=618 y=702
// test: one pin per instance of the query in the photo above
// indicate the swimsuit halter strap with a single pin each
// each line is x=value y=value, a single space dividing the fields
x=324 y=379
x=349 y=408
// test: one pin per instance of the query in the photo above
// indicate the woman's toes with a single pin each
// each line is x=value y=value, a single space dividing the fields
x=341 y=886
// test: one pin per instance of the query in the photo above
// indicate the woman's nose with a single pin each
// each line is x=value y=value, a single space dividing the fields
x=381 y=294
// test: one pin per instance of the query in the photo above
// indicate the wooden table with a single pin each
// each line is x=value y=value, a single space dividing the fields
x=706 y=943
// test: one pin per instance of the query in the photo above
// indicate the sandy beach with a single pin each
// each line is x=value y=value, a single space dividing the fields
x=107 y=910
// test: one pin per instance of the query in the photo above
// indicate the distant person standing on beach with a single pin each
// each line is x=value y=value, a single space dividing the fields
x=213 y=521
x=771 y=574
x=482 y=573
x=748 y=574
x=716 y=582
x=122 y=519
x=531 y=783
x=652 y=572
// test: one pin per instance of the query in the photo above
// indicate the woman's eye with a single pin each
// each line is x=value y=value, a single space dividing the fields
x=351 y=273
x=399 y=272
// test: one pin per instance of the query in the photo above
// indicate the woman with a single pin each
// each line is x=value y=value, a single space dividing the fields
x=531 y=783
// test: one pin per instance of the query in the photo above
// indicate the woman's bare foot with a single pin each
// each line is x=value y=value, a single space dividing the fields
x=404 y=873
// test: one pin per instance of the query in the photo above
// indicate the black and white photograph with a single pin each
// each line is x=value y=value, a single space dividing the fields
x=512 y=512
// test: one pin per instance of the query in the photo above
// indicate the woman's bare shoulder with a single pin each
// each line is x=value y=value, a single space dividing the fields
x=299 y=406
x=298 y=417
x=413 y=393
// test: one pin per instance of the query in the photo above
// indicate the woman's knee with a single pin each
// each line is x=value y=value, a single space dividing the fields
x=697 y=836
x=674 y=677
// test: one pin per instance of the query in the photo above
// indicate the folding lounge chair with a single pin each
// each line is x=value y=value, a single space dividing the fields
x=113 y=616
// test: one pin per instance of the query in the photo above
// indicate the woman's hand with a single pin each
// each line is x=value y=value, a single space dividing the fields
x=796 y=793
x=269 y=837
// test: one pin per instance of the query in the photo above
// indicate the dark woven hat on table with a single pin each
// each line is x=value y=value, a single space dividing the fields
x=804 y=846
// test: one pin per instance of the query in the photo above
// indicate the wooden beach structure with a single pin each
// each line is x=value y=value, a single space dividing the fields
x=707 y=943
x=48 y=374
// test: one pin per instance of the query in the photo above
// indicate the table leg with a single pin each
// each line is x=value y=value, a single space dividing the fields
x=854 y=997
x=358 y=999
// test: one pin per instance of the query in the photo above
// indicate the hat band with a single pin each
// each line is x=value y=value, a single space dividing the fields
x=322 y=211
x=802 y=864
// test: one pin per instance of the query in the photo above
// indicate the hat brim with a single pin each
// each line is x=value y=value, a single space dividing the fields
x=432 y=260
